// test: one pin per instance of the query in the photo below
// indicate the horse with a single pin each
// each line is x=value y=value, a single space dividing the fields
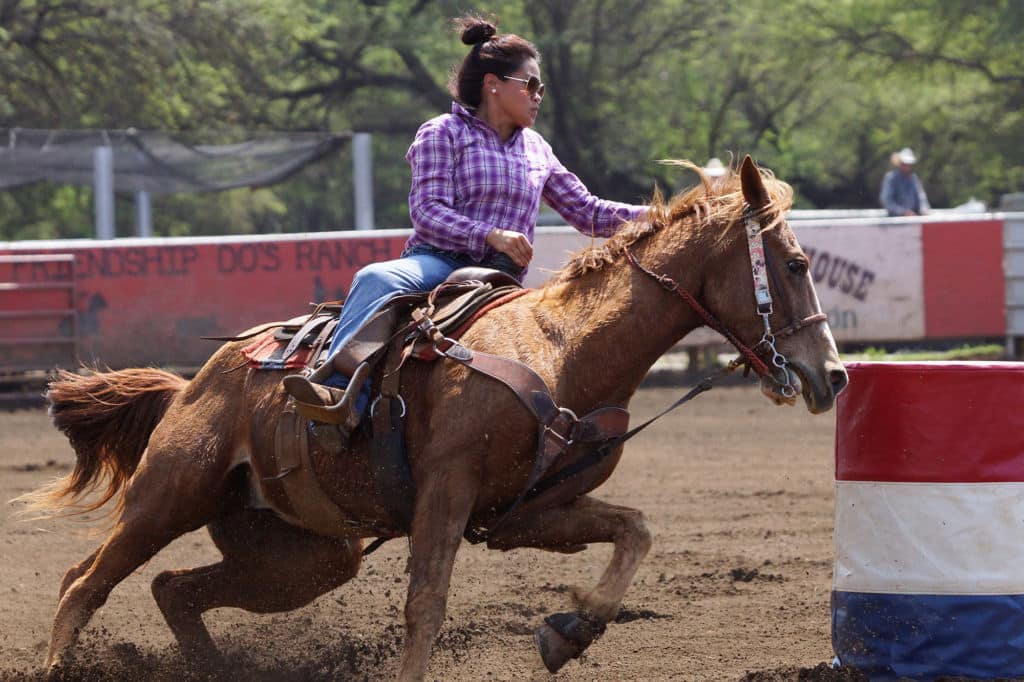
x=177 y=455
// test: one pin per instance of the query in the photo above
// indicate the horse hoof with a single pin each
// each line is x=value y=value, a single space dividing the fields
x=555 y=650
x=56 y=669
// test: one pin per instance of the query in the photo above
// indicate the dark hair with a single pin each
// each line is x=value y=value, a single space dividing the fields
x=492 y=53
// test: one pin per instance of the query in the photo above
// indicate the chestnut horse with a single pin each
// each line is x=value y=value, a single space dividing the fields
x=177 y=455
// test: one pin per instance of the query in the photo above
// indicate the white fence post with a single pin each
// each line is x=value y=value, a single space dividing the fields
x=362 y=174
x=143 y=214
x=103 y=191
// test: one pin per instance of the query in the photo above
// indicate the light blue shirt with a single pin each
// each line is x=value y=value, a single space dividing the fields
x=901 y=193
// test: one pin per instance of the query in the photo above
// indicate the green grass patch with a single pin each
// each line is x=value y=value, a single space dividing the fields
x=983 y=352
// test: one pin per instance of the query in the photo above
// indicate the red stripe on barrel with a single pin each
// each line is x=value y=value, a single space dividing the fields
x=904 y=422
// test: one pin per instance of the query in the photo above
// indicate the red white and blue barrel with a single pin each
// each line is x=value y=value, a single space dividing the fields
x=929 y=520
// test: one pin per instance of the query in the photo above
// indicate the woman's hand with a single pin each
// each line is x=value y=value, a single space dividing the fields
x=515 y=245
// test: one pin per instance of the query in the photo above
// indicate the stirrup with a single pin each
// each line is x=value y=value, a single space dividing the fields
x=326 y=404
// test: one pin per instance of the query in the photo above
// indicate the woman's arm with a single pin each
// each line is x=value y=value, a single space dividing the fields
x=432 y=194
x=589 y=214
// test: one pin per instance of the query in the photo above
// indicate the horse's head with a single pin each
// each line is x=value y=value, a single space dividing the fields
x=726 y=249
x=757 y=284
x=750 y=280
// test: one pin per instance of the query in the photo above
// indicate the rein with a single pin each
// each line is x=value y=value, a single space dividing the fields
x=669 y=284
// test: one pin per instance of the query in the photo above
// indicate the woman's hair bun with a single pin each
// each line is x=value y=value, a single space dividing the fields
x=477 y=30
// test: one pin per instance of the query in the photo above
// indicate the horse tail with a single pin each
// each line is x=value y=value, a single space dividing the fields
x=108 y=417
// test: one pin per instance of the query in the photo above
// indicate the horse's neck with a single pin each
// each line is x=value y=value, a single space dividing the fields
x=614 y=323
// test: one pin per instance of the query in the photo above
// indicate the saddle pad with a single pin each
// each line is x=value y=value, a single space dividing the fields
x=266 y=352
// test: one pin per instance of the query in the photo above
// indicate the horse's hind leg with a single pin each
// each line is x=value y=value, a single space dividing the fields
x=76 y=571
x=167 y=497
x=131 y=544
x=570 y=528
x=269 y=566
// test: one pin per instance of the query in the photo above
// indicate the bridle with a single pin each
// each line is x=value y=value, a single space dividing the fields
x=751 y=357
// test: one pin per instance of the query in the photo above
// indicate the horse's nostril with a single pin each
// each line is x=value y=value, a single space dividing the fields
x=838 y=379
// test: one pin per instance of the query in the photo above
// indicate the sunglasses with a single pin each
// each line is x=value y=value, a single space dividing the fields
x=533 y=84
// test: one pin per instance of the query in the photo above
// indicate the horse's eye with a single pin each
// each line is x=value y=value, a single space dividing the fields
x=797 y=267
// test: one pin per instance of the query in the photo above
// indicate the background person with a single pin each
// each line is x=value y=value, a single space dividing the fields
x=902 y=193
x=478 y=177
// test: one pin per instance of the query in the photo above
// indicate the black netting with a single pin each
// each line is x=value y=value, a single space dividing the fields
x=156 y=161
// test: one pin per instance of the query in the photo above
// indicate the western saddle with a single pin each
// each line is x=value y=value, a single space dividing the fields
x=424 y=326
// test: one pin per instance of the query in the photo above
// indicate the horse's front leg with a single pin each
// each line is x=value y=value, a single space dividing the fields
x=443 y=506
x=570 y=528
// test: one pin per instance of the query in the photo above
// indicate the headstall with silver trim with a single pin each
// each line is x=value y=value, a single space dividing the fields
x=763 y=300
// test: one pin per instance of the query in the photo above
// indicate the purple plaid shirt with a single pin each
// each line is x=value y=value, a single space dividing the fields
x=466 y=182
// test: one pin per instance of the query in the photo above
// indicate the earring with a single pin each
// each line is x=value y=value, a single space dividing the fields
x=494 y=90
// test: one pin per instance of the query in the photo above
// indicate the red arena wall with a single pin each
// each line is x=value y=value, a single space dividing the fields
x=149 y=301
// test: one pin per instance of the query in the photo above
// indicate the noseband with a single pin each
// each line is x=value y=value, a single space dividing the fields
x=749 y=356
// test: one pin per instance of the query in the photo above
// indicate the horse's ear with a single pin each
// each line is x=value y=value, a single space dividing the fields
x=753 y=187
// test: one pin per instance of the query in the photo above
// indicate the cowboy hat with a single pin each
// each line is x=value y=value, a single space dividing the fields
x=906 y=155
x=715 y=168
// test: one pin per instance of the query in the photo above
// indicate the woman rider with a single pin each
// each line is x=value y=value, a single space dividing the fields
x=478 y=176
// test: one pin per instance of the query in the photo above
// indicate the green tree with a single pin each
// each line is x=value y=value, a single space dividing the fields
x=946 y=77
x=821 y=91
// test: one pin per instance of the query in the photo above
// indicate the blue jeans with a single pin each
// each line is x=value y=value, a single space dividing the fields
x=420 y=268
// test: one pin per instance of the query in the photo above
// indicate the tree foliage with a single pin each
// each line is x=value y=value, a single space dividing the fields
x=821 y=91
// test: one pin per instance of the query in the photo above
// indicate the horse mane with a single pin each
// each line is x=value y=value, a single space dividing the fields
x=718 y=200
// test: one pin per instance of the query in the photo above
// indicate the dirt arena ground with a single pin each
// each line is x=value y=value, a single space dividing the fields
x=737 y=493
